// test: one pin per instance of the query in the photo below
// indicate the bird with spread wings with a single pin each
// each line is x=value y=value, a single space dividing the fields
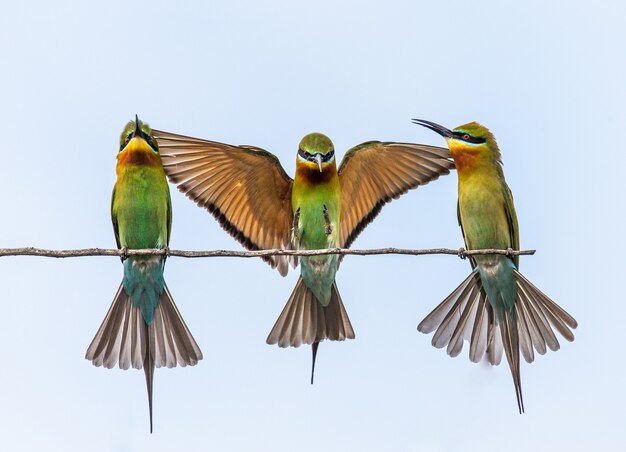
x=251 y=196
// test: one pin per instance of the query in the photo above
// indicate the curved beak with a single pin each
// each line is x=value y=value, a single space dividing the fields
x=318 y=159
x=441 y=130
x=137 y=132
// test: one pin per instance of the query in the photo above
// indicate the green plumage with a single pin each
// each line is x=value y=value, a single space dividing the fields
x=141 y=212
x=317 y=213
x=488 y=220
x=316 y=203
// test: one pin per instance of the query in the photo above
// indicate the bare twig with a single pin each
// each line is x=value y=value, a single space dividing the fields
x=30 y=251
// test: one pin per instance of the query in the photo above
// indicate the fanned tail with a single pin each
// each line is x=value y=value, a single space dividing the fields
x=125 y=339
x=538 y=317
x=466 y=314
x=305 y=321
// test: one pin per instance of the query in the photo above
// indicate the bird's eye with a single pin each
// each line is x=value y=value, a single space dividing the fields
x=128 y=137
x=466 y=136
x=151 y=143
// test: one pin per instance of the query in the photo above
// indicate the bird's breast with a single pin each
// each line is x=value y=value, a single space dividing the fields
x=141 y=206
x=483 y=216
x=317 y=211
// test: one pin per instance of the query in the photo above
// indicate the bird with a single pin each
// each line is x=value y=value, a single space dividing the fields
x=143 y=328
x=496 y=308
x=323 y=206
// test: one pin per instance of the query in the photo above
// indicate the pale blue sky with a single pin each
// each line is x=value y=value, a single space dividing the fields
x=546 y=77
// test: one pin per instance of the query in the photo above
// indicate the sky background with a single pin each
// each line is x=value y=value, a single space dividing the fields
x=546 y=77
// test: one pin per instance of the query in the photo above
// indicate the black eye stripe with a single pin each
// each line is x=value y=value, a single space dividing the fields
x=304 y=154
x=311 y=157
x=464 y=136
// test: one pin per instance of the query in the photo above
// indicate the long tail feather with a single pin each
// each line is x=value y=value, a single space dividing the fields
x=148 y=369
x=314 y=347
x=510 y=341
x=304 y=320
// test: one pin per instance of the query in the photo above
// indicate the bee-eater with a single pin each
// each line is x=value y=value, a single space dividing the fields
x=252 y=197
x=495 y=307
x=143 y=327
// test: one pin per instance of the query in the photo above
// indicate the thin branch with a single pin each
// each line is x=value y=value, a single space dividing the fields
x=30 y=251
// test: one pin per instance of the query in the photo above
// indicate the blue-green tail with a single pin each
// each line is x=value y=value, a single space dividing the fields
x=497 y=274
x=144 y=283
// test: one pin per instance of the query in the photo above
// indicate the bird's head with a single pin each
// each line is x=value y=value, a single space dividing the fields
x=469 y=143
x=136 y=140
x=316 y=152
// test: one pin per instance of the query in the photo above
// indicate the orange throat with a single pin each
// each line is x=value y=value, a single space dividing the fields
x=465 y=158
x=138 y=157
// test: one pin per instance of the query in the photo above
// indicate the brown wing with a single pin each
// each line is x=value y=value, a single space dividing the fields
x=244 y=187
x=512 y=219
x=373 y=173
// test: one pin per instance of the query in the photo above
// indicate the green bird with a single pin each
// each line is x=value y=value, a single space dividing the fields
x=496 y=307
x=143 y=327
x=252 y=197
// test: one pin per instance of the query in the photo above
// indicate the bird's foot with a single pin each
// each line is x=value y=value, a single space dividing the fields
x=461 y=253
x=510 y=252
x=124 y=253
x=328 y=228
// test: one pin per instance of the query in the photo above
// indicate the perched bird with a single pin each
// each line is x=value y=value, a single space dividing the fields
x=495 y=307
x=143 y=327
x=251 y=196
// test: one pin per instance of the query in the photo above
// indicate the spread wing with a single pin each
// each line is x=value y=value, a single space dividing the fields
x=244 y=187
x=373 y=173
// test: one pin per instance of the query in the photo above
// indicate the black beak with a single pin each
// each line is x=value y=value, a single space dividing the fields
x=137 y=132
x=446 y=133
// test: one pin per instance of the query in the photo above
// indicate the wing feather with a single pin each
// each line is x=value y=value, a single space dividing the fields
x=244 y=187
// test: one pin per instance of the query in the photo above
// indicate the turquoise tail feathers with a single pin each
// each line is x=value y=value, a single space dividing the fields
x=144 y=283
x=498 y=280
